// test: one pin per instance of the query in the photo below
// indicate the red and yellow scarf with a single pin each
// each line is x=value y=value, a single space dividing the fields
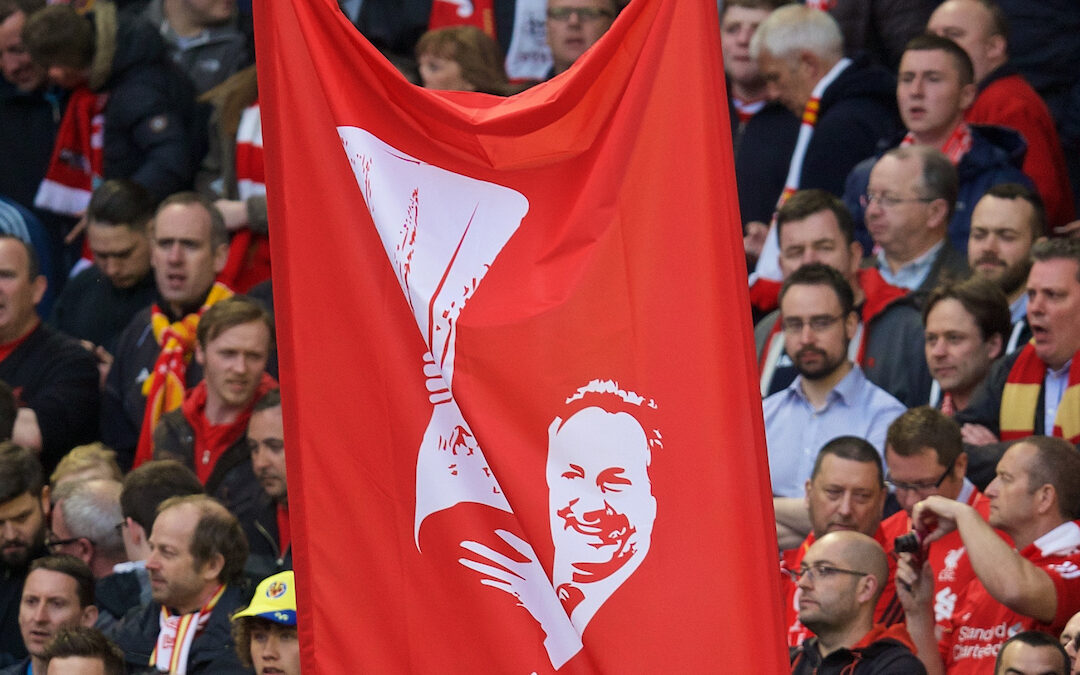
x=164 y=388
x=177 y=632
x=1020 y=399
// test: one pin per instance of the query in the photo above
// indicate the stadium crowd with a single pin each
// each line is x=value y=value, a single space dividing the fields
x=907 y=174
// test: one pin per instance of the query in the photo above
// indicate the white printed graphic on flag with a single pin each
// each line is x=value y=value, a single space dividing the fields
x=441 y=231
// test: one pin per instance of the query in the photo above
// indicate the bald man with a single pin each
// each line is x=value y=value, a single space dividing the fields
x=841 y=577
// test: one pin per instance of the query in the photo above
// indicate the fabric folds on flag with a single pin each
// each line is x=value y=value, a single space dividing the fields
x=523 y=426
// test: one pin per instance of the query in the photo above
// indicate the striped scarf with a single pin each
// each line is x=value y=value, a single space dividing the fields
x=248 y=262
x=1020 y=399
x=164 y=388
x=768 y=264
x=177 y=632
x=75 y=168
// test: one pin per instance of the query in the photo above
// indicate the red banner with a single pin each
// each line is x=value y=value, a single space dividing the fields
x=593 y=496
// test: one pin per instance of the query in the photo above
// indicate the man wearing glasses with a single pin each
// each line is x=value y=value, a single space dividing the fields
x=87 y=523
x=846 y=492
x=1029 y=582
x=830 y=397
x=925 y=454
x=840 y=580
x=575 y=25
x=908 y=203
x=935 y=85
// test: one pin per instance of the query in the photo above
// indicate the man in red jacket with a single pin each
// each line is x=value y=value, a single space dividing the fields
x=1006 y=99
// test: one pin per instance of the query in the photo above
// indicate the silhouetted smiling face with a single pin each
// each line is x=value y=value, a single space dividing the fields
x=601 y=503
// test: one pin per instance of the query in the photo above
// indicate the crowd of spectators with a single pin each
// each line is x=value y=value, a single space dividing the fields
x=907 y=174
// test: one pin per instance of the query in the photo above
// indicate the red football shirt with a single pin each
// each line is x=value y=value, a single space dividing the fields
x=981 y=624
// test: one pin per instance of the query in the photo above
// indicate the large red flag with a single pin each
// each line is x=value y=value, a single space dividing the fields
x=593 y=496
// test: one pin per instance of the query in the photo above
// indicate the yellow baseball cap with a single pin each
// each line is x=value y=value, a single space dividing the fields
x=274 y=600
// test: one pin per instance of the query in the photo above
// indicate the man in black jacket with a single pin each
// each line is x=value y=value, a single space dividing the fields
x=266 y=521
x=152 y=131
x=840 y=580
x=54 y=379
x=196 y=560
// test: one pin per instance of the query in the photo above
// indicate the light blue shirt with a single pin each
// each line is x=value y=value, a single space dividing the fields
x=1054 y=386
x=795 y=431
x=914 y=273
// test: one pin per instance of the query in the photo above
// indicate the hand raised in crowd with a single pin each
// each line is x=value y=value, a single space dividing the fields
x=754 y=237
x=235 y=213
x=104 y=360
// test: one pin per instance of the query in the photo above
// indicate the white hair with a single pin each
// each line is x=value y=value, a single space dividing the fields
x=92 y=510
x=796 y=28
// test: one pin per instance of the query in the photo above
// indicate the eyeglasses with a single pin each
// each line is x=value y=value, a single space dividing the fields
x=818 y=324
x=584 y=14
x=924 y=487
x=888 y=201
x=820 y=571
x=119 y=527
x=52 y=543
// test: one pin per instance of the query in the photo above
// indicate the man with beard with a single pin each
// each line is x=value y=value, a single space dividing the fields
x=24 y=507
x=966 y=328
x=1005 y=224
x=840 y=580
x=830 y=397
x=1035 y=389
x=206 y=433
x=846 y=492
x=266 y=522
x=815 y=226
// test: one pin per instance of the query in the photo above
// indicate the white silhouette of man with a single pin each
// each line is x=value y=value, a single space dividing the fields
x=601 y=510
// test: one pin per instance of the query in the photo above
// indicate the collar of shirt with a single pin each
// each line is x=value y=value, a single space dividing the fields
x=1054 y=385
x=967 y=489
x=1018 y=309
x=912 y=274
x=846 y=390
x=1059 y=540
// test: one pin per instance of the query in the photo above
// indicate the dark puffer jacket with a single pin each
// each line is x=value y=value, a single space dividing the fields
x=154 y=133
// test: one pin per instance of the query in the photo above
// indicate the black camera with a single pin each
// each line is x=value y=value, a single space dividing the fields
x=912 y=543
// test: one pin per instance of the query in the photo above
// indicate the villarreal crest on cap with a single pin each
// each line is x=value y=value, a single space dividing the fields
x=274 y=600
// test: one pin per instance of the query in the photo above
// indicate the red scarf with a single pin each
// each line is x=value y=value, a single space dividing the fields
x=77 y=162
x=248 y=262
x=164 y=388
x=1020 y=399
x=955 y=146
x=212 y=440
